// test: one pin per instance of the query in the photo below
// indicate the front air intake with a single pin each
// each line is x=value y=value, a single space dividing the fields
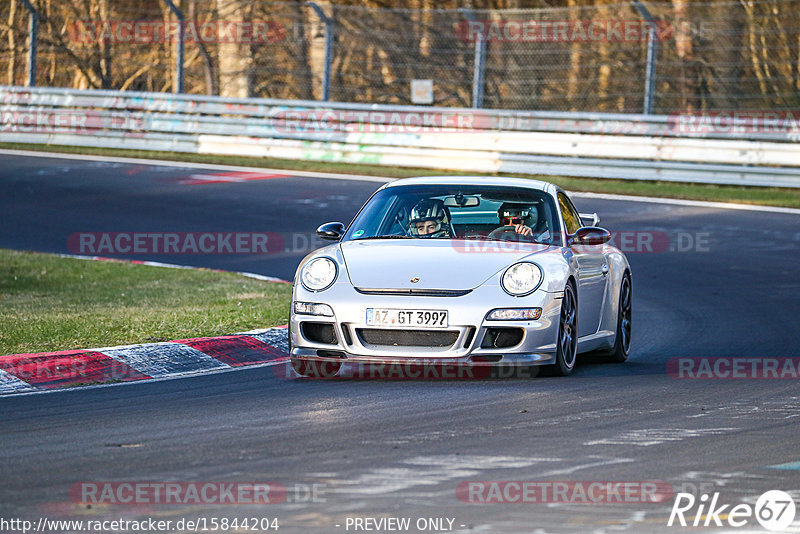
x=319 y=332
x=501 y=337
x=407 y=338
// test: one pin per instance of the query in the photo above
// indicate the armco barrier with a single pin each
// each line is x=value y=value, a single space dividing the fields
x=644 y=147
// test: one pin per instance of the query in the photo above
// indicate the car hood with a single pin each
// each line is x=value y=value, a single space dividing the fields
x=438 y=263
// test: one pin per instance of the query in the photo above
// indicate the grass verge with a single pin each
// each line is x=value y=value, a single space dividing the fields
x=767 y=196
x=49 y=303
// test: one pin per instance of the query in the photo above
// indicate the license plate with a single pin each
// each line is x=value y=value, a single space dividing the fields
x=407 y=318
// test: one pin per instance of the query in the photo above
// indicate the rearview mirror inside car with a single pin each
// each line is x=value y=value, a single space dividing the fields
x=461 y=201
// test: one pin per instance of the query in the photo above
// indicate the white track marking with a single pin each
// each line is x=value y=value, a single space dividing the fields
x=381 y=179
x=191 y=165
x=683 y=202
x=175 y=266
x=570 y=470
x=657 y=436
x=427 y=471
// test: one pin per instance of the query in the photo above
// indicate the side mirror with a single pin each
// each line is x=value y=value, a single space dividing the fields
x=589 y=219
x=590 y=235
x=332 y=231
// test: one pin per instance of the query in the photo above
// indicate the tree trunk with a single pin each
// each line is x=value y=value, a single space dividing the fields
x=728 y=76
x=425 y=25
x=315 y=35
x=603 y=61
x=235 y=60
x=105 y=48
x=212 y=87
x=303 y=76
x=573 y=77
x=12 y=42
x=753 y=46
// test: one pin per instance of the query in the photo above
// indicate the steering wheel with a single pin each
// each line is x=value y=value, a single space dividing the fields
x=504 y=231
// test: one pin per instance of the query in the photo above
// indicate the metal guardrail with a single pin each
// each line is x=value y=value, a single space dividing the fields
x=627 y=146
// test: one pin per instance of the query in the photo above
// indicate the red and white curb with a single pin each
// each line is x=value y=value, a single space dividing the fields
x=27 y=373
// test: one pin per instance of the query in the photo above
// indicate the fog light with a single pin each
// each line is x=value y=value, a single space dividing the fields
x=514 y=314
x=311 y=308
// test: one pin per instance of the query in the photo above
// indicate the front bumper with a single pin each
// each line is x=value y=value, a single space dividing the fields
x=469 y=338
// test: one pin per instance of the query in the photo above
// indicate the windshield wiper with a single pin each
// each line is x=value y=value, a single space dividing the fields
x=387 y=236
x=483 y=237
x=527 y=240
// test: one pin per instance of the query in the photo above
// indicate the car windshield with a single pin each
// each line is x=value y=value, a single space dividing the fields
x=457 y=212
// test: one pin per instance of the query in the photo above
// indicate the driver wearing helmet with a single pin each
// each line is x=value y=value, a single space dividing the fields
x=429 y=218
x=515 y=219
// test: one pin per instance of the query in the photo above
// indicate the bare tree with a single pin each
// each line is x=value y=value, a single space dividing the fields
x=12 y=42
x=211 y=81
x=315 y=35
x=234 y=58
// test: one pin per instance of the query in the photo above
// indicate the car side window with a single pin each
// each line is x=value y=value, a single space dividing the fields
x=571 y=218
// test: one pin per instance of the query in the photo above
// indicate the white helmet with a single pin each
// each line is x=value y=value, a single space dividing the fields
x=430 y=209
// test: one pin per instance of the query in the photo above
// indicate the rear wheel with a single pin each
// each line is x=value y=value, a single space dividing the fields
x=567 y=344
x=315 y=368
x=622 y=343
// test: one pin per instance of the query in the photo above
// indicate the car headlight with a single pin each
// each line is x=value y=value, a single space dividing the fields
x=318 y=274
x=522 y=278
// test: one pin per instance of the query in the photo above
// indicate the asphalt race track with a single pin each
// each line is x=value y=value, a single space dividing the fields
x=717 y=284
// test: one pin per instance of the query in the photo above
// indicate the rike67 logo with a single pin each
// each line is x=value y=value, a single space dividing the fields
x=774 y=510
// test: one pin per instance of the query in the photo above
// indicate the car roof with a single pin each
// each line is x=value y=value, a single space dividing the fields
x=502 y=181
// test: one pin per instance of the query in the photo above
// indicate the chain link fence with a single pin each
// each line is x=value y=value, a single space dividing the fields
x=742 y=55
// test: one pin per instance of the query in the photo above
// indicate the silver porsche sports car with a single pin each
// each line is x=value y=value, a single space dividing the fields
x=467 y=270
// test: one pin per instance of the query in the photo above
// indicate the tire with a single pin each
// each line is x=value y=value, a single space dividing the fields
x=622 y=342
x=315 y=368
x=567 y=342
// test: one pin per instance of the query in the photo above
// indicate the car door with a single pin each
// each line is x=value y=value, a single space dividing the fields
x=592 y=270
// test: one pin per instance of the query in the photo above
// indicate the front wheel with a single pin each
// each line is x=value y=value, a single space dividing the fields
x=567 y=344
